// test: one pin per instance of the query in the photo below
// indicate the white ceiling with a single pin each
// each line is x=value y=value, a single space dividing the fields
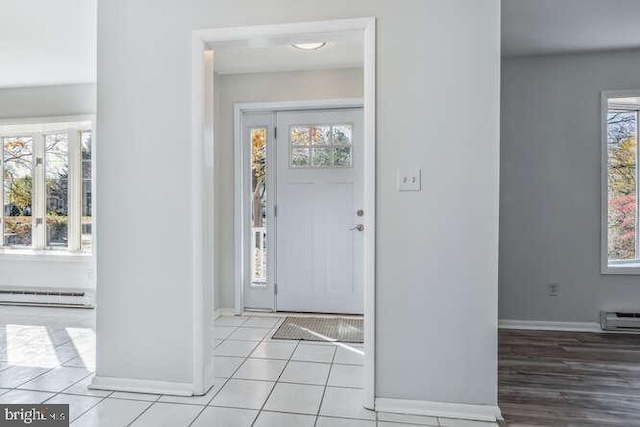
x=47 y=42
x=532 y=27
x=343 y=50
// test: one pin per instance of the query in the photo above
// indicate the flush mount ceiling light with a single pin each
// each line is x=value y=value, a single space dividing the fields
x=309 y=46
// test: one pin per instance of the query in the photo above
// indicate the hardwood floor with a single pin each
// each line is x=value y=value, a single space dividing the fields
x=569 y=378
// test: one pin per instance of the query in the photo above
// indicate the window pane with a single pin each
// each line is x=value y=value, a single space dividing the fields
x=18 y=190
x=342 y=134
x=342 y=156
x=622 y=178
x=57 y=188
x=321 y=157
x=258 y=206
x=87 y=222
x=300 y=135
x=320 y=135
x=300 y=157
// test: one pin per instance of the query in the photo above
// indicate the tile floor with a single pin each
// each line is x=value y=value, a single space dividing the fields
x=47 y=355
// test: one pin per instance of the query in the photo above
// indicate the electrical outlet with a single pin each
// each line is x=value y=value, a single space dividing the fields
x=409 y=180
x=553 y=289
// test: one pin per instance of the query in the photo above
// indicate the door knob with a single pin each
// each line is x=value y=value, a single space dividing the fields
x=358 y=227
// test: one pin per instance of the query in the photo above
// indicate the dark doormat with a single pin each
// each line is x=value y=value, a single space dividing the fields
x=342 y=329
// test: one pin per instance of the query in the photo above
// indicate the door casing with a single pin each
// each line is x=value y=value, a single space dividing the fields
x=202 y=105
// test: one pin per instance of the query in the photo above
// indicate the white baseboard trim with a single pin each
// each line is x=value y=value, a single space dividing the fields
x=541 y=325
x=439 y=409
x=141 y=386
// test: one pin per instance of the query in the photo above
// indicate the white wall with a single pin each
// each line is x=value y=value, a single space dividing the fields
x=46 y=101
x=437 y=252
x=550 y=186
x=234 y=88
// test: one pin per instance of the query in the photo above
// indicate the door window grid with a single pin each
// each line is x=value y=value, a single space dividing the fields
x=321 y=146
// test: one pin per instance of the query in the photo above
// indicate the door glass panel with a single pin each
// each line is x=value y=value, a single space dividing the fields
x=258 y=207
x=300 y=135
x=17 y=177
x=57 y=187
x=330 y=146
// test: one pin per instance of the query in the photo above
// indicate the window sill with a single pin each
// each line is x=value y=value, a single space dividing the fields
x=7 y=254
x=630 y=268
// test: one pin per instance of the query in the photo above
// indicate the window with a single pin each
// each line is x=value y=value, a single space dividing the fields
x=321 y=146
x=621 y=151
x=258 y=206
x=46 y=188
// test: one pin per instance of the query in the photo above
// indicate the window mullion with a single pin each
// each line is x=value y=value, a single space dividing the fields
x=39 y=194
x=75 y=191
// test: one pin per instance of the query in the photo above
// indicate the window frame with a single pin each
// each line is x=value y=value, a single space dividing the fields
x=628 y=267
x=311 y=146
x=38 y=248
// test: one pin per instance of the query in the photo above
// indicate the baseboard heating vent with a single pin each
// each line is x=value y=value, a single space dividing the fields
x=46 y=297
x=628 y=321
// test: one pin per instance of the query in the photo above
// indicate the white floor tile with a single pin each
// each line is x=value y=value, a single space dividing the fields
x=24 y=396
x=235 y=348
x=243 y=394
x=225 y=417
x=222 y=332
x=306 y=373
x=260 y=369
x=349 y=355
x=77 y=404
x=407 y=419
x=57 y=379
x=455 y=422
x=274 y=350
x=111 y=413
x=147 y=397
x=344 y=422
x=81 y=387
x=249 y=334
x=17 y=375
x=296 y=398
x=168 y=415
x=262 y=322
x=314 y=353
x=230 y=320
x=345 y=402
x=224 y=367
x=346 y=376
x=277 y=419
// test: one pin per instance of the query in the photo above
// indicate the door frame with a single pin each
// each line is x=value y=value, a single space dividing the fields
x=202 y=106
x=242 y=166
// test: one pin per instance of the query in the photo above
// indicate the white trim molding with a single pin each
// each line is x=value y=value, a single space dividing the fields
x=439 y=409
x=206 y=40
x=541 y=325
x=141 y=386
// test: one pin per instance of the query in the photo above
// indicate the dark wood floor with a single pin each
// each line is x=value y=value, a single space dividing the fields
x=569 y=378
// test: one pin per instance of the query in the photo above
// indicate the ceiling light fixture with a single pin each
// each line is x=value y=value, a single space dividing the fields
x=309 y=46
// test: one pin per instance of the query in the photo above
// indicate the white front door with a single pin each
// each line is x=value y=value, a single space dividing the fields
x=319 y=195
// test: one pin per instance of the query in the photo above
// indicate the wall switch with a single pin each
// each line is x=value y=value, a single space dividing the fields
x=553 y=289
x=409 y=180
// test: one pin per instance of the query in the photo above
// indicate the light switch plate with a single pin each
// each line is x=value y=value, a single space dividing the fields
x=409 y=180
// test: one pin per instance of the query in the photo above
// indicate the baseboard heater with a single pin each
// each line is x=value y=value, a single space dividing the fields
x=46 y=297
x=628 y=321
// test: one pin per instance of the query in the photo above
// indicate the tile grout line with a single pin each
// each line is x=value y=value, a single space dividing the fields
x=326 y=384
x=274 y=384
